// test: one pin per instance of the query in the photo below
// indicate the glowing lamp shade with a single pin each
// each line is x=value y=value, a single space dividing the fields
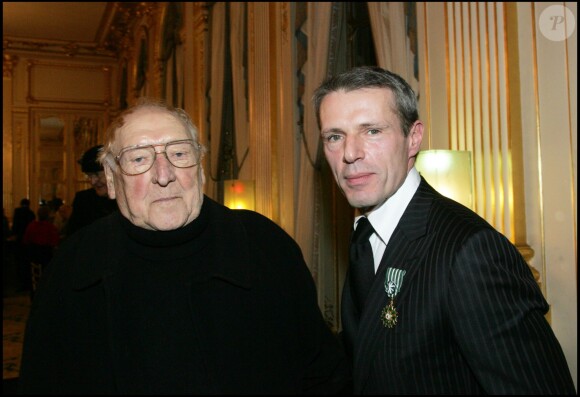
x=239 y=194
x=449 y=172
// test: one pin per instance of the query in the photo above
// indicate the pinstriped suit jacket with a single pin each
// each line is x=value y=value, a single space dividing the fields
x=471 y=316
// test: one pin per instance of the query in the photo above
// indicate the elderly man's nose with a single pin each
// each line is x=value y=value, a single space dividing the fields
x=164 y=171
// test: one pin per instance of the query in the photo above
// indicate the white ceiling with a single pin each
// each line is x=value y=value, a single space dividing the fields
x=69 y=21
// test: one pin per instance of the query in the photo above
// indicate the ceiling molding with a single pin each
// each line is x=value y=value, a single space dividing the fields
x=111 y=38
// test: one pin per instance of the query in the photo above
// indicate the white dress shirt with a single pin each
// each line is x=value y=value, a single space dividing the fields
x=385 y=218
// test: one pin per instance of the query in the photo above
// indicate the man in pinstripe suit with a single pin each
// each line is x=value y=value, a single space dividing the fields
x=453 y=307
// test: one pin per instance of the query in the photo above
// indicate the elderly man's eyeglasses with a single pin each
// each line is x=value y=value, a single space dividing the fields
x=137 y=160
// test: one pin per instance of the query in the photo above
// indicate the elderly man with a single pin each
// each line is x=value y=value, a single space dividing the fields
x=175 y=293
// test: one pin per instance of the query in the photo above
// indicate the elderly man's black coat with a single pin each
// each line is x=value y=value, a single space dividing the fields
x=243 y=318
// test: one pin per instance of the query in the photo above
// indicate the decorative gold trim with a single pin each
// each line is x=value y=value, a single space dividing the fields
x=284 y=20
x=424 y=74
x=8 y=64
x=112 y=37
x=68 y=48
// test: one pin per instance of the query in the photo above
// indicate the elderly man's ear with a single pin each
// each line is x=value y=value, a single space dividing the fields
x=110 y=175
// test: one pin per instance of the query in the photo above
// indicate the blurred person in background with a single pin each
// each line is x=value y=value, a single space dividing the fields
x=23 y=215
x=61 y=219
x=40 y=241
x=41 y=237
x=90 y=204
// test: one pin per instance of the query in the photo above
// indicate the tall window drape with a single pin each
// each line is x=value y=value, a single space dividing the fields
x=172 y=55
x=316 y=30
x=228 y=17
x=393 y=25
x=217 y=44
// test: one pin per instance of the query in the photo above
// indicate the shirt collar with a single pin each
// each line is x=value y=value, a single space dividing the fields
x=385 y=218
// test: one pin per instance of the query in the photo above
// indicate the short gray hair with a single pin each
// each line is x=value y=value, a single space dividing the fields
x=372 y=77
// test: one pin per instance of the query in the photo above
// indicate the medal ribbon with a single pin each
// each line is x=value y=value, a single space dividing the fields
x=393 y=281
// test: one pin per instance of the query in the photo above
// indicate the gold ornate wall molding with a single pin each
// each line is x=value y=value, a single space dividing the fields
x=60 y=47
x=21 y=155
x=286 y=122
x=8 y=63
x=112 y=37
x=40 y=78
x=196 y=43
x=262 y=120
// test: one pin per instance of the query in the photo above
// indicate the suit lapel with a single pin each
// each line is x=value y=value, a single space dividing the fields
x=404 y=250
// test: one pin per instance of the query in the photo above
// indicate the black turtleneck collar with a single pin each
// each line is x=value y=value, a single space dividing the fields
x=217 y=237
x=170 y=244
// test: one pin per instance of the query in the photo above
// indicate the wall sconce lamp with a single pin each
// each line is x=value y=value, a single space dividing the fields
x=449 y=172
x=239 y=194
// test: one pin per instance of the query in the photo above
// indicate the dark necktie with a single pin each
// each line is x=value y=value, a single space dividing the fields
x=362 y=267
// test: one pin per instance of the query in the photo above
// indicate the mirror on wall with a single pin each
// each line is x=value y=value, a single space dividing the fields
x=51 y=149
x=59 y=138
x=86 y=135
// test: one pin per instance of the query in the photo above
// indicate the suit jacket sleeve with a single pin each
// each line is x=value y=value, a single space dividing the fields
x=497 y=314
